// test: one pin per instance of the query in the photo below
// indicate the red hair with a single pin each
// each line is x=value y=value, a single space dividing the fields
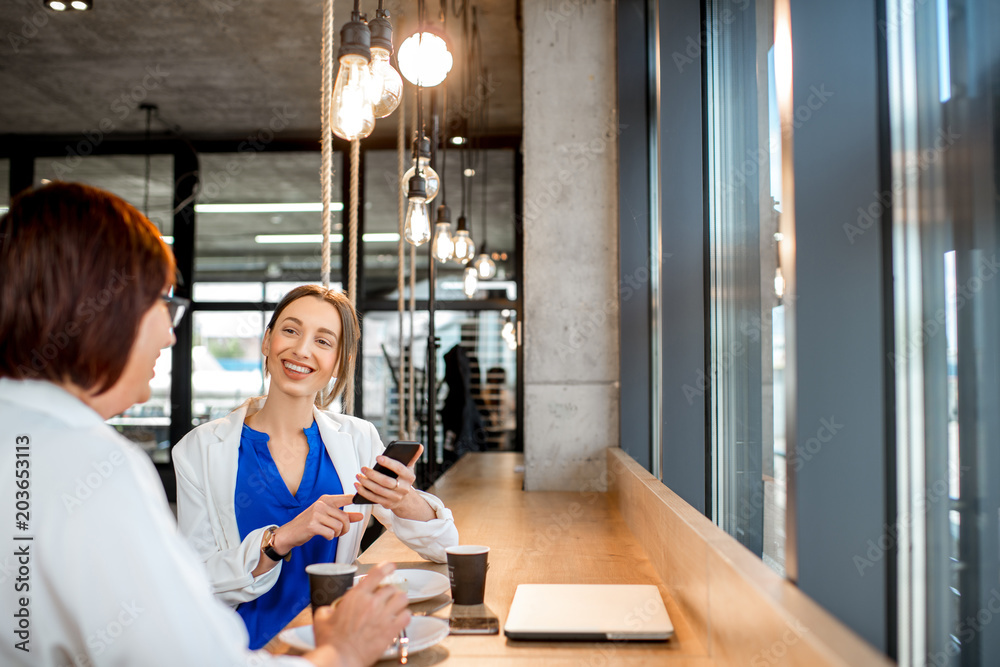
x=79 y=267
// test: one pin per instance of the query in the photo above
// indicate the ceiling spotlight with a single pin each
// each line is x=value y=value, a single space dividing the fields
x=469 y=172
x=61 y=5
x=458 y=141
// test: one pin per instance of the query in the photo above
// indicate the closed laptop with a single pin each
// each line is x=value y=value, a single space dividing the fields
x=588 y=612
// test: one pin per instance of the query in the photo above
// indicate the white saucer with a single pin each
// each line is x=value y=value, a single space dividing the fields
x=423 y=631
x=420 y=584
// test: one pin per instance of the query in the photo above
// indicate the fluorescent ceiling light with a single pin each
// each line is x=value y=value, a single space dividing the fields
x=391 y=237
x=286 y=207
x=4 y=209
x=169 y=240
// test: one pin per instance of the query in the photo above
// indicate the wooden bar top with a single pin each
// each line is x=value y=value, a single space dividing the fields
x=534 y=537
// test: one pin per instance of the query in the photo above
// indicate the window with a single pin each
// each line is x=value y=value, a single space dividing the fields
x=746 y=284
x=946 y=228
x=488 y=340
x=258 y=217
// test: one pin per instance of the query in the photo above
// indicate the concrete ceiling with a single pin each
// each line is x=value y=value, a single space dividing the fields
x=215 y=68
x=225 y=69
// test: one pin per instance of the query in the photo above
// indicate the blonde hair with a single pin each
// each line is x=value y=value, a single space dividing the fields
x=349 y=338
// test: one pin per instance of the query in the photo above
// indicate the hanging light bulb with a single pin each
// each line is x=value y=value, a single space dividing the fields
x=351 y=115
x=485 y=266
x=465 y=248
x=387 y=87
x=422 y=159
x=424 y=58
x=418 y=220
x=443 y=248
x=470 y=281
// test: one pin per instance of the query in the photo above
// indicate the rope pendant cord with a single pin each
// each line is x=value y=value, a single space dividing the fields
x=401 y=267
x=352 y=226
x=326 y=164
x=352 y=249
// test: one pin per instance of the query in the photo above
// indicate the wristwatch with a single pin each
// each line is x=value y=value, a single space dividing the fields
x=269 y=550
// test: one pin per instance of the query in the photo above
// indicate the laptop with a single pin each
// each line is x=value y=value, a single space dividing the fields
x=588 y=612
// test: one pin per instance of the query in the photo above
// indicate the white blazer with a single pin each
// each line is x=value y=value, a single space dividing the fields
x=106 y=580
x=206 y=460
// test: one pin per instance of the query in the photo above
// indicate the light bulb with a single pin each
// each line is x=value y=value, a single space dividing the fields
x=418 y=223
x=470 y=281
x=485 y=266
x=508 y=335
x=58 y=6
x=387 y=87
x=465 y=249
x=431 y=176
x=779 y=283
x=424 y=59
x=351 y=114
x=443 y=248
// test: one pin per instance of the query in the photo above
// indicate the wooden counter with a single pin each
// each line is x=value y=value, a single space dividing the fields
x=536 y=537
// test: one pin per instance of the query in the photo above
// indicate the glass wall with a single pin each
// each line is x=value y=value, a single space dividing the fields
x=944 y=96
x=258 y=218
x=484 y=342
x=746 y=284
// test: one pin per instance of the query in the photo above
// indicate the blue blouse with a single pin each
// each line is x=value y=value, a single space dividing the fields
x=263 y=499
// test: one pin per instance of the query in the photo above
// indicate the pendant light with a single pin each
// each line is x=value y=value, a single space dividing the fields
x=418 y=221
x=465 y=247
x=351 y=115
x=424 y=58
x=387 y=86
x=486 y=268
x=422 y=160
x=444 y=247
x=417 y=230
x=470 y=281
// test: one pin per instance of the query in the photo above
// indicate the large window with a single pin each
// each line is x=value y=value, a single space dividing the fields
x=943 y=59
x=746 y=309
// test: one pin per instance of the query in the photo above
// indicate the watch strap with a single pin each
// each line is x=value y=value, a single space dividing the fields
x=269 y=550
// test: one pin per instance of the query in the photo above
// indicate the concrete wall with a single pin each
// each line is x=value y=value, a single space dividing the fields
x=570 y=243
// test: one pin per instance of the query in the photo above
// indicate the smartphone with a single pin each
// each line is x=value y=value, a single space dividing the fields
x=398 y=450
x=477 y=619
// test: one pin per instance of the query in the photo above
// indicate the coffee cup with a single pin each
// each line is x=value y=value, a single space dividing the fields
x=329 y=581
x=467 y=565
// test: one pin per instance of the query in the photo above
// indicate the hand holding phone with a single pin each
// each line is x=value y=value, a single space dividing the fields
x=403 y=451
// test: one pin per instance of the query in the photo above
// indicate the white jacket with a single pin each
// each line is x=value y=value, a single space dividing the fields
x=97 y=573
x=206 y=460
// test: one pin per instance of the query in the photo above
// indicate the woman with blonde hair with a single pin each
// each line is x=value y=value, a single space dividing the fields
x=267 y=490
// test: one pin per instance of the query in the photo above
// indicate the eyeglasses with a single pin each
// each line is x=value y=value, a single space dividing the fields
x=176 y=306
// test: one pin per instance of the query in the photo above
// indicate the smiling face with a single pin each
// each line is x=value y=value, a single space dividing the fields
x=303 y=348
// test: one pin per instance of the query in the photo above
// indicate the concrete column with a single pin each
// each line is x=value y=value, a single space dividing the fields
x=570 y=243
